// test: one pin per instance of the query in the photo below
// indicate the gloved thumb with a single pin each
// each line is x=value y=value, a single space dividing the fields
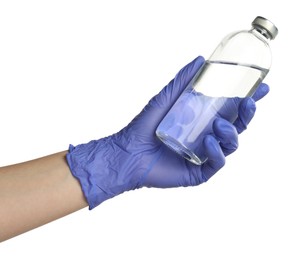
x=185 y=75
x=172 y=91
x=160 y=104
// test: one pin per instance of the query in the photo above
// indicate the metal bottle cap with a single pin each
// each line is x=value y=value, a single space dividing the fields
x=262 y=24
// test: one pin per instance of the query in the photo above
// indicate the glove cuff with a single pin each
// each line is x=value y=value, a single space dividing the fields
x=100 y=172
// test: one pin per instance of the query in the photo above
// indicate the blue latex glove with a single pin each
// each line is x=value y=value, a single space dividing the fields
x=135 y=158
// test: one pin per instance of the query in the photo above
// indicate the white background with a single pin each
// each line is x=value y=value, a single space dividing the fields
x=72 y=71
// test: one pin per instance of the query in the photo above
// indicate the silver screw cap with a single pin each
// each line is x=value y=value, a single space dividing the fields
x=262 y=24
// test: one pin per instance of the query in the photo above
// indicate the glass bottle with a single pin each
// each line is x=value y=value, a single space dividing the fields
x=234 y=71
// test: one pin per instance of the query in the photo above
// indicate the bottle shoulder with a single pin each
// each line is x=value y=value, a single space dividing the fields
x=246 y=47
x=246 y=37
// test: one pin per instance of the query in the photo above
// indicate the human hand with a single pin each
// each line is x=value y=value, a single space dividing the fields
x=135 y=158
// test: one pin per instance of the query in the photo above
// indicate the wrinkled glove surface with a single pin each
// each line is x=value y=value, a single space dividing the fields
x=135 y=158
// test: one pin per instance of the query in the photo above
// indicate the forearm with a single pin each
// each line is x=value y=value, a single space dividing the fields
x=35 y=193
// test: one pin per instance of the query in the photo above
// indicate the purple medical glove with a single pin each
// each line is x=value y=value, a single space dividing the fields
x=135 y=158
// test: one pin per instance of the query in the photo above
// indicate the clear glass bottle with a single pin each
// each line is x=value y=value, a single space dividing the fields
x=234 y=70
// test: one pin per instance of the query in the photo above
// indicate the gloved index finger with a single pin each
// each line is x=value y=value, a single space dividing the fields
x=261 y=91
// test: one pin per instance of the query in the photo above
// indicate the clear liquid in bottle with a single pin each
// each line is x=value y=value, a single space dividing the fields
x=191 y=118
x=234 y=71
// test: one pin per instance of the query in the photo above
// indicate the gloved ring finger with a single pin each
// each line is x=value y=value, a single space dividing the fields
x=226 y=134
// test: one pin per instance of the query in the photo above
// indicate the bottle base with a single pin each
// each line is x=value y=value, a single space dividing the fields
x=179 y=148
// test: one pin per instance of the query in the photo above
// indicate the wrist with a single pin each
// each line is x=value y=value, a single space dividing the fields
x=104 y=169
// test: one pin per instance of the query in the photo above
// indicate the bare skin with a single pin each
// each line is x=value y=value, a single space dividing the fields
x=37 y=192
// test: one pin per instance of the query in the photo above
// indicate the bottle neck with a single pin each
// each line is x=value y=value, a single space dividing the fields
x=261 y=33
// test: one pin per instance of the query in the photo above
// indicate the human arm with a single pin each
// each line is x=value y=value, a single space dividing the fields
x=36 y=192
x=42 y=190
